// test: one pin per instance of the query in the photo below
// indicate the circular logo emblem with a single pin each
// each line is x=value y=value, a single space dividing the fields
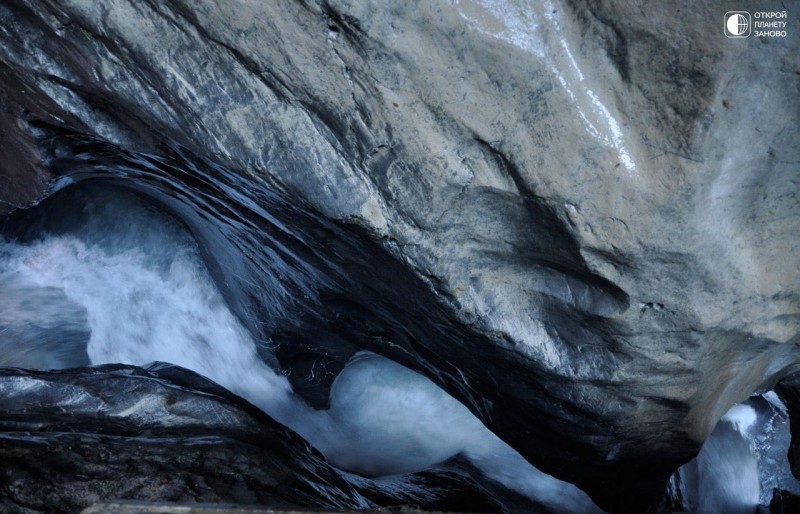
x=737 y=25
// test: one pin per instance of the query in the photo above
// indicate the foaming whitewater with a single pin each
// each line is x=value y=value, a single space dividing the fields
x=387 y=410
x=724 y=475
x=121 y=282
x=741 y=462
x=145 y=295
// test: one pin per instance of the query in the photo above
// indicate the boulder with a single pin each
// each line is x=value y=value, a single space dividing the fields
x=72 y=438
x=601 y=197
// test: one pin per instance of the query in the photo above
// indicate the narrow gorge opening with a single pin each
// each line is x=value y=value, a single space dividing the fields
x=98 y=274
x=742 y=462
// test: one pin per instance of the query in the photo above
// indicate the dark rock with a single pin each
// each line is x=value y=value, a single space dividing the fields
x=75 y=437
x=788 y=390
x=784 y=502
x=71 y=438
x=23 y=177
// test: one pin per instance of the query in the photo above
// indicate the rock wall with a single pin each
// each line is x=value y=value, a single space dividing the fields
x=608 y=191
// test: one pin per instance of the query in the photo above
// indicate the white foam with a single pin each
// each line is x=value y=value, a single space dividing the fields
x=742 y=417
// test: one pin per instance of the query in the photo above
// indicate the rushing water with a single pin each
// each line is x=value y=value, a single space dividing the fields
x=105 y=277
x=741 y=462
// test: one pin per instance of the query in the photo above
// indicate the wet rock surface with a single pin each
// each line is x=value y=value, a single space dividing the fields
x=71 y=438
x=75 y=437
x=783 y=502
x=789 y=391
x=601 y=197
